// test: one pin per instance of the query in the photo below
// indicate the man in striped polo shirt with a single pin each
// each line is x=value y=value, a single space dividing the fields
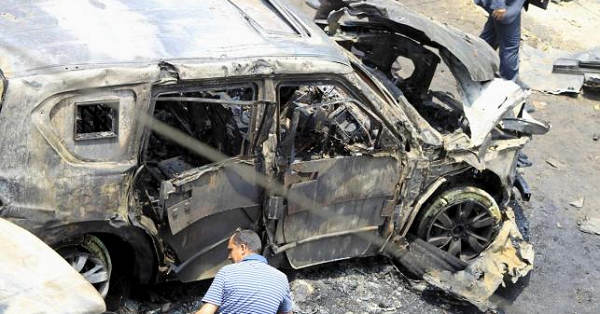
x=250 y=285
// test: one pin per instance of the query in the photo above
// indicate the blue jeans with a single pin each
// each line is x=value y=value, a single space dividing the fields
x=507 y=37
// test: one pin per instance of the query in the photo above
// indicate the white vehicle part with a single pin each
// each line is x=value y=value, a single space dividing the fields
x=485 y=104
x=35 y=279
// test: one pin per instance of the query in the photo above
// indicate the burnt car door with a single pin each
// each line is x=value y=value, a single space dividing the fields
x=341 y=187
x=197 y=202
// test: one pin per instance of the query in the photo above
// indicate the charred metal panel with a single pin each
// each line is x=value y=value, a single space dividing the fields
x=382 y=50
x=350 y=215
x=202 y=247
x=275 y=207
x=64 y=120
x=207 y=191
x=353 y=192
x=34 y=41
x=474 y=53
x=329 y=249
x=345 y=179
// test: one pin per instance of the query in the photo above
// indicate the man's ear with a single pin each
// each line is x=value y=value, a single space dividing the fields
x=244 y=247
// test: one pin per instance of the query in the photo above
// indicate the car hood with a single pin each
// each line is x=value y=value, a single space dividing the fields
x=475 y=54
x=35 y=279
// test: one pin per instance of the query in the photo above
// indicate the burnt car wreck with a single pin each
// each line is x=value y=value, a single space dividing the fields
x=144 y=161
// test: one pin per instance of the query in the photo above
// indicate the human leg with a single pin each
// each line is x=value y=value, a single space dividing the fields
x=489 y=33
x=509 y=38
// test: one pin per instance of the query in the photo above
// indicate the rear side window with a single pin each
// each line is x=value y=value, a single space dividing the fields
x=215 y=116
x=96 y=120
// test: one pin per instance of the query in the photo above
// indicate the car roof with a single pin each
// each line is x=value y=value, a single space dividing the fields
x=65 y=35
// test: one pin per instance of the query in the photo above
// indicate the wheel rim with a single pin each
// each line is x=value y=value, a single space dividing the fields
x=462 y=229
x=91 y=268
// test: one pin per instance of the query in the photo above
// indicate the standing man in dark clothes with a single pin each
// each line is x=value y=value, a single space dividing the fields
x=503 y=30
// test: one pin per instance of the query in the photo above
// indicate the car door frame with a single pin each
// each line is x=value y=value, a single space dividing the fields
x=371 y=233
x=197 y=262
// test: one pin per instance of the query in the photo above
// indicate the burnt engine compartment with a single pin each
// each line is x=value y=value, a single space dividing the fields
x=407 y=69
x=318 y=121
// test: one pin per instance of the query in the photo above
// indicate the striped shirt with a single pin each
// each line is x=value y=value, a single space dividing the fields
x=250 y=287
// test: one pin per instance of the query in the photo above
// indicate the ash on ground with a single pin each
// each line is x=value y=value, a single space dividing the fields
x=367 y=285
x=370 y=285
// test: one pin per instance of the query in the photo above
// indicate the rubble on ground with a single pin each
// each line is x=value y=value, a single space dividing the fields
x=367 y=285
x=590 y=225
x=372 y=285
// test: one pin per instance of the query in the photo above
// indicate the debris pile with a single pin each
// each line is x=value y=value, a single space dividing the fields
x=586 y=64
x=372 y=285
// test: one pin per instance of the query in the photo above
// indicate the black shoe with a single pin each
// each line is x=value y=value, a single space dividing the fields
x=523 y=161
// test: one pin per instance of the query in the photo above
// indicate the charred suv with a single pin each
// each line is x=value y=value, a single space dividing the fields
x=137 y=139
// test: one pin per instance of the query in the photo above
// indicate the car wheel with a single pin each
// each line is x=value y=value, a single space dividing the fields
x=90 y=258
x=462 y=221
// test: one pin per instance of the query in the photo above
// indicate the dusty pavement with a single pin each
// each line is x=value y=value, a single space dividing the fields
x=566 y=168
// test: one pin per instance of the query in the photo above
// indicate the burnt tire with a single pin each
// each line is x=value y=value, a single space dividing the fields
x=462 y=221
x=88 y=256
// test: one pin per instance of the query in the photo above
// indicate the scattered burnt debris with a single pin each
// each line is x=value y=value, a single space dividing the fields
x=590 y=225
x=586 y=64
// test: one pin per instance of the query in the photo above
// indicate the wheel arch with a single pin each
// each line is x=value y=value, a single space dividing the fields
x=137 y=244
x=486 y=180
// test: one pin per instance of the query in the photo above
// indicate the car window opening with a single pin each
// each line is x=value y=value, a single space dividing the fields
x=223 y=126
x=321 y=120
x=218 y=117
x=96 y=120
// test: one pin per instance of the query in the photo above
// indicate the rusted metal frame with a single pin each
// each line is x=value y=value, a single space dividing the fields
x=269 y=125
x=406 y=132
x=205 y=85
x=292 y=245
x=397 y=210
